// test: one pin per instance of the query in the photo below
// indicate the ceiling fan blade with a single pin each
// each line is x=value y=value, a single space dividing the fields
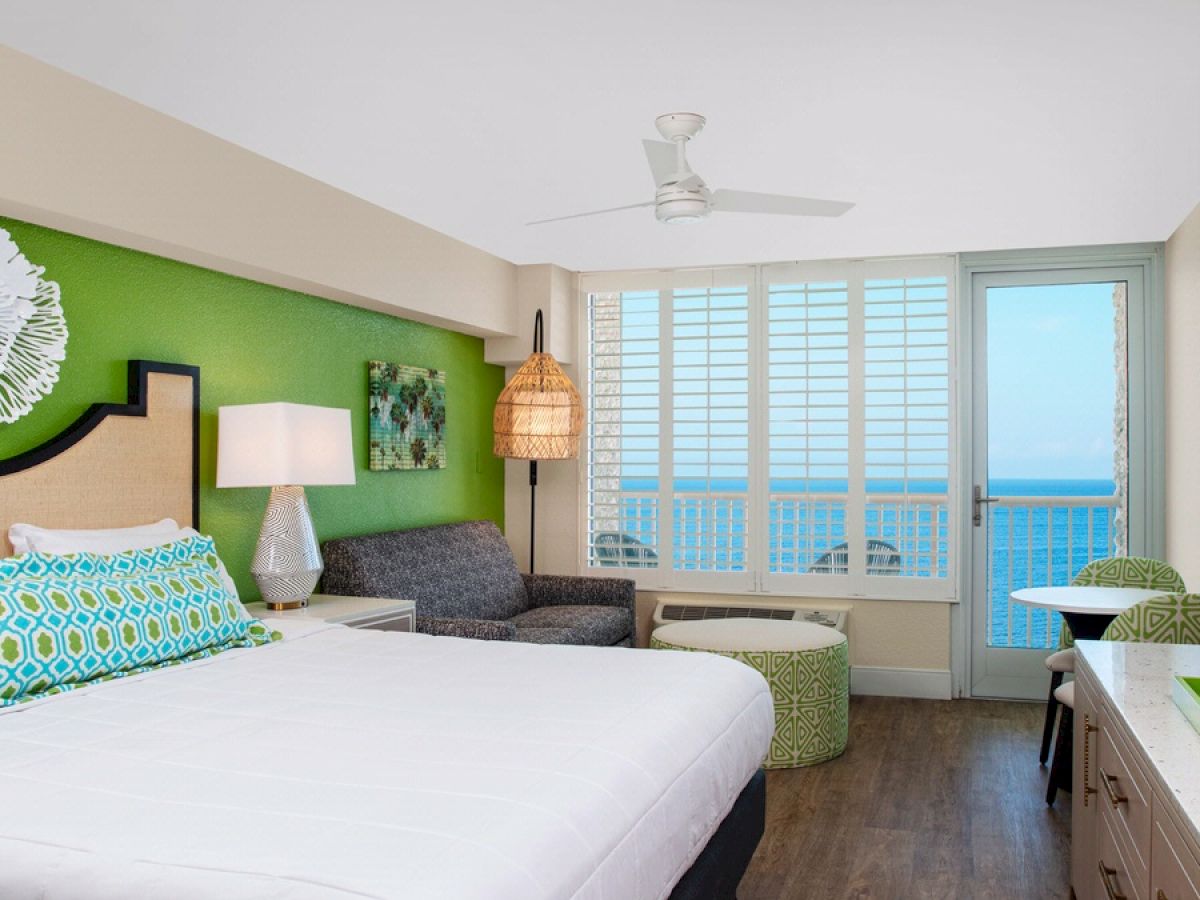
x=751 y=202
x=598 y=212
x=662 y=159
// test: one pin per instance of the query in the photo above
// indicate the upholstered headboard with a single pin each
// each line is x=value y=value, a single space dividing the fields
x=117 y=464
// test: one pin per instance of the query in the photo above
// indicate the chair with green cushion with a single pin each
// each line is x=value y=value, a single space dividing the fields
x=1117 y=571
x=1169 y=619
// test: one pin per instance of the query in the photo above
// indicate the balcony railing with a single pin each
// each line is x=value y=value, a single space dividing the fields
x=1032 y=542
x=806 y=532
x=1039 y=542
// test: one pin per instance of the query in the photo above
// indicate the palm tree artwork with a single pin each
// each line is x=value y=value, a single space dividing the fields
x=406 y=409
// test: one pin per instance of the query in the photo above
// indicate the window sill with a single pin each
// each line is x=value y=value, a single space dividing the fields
x=769 y=596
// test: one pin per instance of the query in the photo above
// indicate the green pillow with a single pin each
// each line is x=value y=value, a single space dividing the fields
x=72 y=620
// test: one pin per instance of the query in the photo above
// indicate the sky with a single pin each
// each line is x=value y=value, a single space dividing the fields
x=1051 y=381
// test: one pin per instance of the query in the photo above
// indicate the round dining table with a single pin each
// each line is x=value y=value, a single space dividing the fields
x=1087 y=609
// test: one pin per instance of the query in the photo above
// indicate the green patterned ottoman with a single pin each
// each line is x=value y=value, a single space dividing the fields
x=807 y=667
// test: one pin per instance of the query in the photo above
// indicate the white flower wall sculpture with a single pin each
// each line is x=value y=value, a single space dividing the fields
x=33 y=332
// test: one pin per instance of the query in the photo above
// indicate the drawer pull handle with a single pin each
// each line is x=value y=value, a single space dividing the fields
x=1110 y=788
x=1088 y=790
x=1106 y=875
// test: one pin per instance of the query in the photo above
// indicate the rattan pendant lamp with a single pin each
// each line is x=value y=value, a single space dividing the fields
x=538 y=416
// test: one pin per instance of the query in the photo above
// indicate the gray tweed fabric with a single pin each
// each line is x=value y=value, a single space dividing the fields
x=455 y=571
x=600 y=625
x=575 y=590
x=465 y=583
x=548 y=636
x=478 y=629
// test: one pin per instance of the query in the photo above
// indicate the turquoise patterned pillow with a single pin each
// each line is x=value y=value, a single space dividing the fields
x=68 y=621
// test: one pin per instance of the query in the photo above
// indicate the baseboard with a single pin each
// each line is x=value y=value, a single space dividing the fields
x=926 y=684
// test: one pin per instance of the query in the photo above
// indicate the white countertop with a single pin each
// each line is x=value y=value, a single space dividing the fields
x=1137 y=679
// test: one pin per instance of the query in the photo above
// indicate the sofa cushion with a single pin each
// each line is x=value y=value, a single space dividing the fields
x=464 y=570
x=598 y=625
x=548 y=636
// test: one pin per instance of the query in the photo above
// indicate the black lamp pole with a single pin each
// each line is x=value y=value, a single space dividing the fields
x=538 y=345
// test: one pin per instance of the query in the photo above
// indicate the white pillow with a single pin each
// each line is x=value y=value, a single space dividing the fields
x=110 y=540
x=102 y=540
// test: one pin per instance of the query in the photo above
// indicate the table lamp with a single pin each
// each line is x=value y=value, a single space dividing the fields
x=285 y=446
x=538 y=415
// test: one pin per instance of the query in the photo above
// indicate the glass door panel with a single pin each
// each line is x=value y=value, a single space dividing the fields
x=1050 y=456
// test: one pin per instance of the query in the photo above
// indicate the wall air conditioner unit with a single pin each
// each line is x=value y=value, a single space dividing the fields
x=694 y=610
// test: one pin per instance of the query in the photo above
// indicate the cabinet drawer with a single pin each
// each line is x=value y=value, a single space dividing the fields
x=1123 y=792
x=1174 y=872
x=1116 y=878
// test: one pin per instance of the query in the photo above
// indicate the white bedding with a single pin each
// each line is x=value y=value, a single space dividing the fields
x=344 y=763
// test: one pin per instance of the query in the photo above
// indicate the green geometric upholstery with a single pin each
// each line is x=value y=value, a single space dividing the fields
x=1124 y=571
x=1131 y=572
x=810 y=683
x=1170 y=619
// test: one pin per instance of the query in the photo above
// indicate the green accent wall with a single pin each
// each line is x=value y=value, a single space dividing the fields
x=255 y=343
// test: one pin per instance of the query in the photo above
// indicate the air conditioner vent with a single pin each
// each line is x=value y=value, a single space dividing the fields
x=680 y=613
x=694 y=612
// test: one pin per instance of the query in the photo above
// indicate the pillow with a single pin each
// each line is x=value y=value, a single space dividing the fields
x=24 y=538
x=60 y=541
x=79 y=619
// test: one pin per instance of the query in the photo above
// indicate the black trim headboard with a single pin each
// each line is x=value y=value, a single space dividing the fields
x=137 y=405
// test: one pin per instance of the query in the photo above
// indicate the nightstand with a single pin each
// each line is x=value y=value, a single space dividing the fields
x=378 y=613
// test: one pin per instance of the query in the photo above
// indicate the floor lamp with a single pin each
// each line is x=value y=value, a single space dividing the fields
x=538 y=416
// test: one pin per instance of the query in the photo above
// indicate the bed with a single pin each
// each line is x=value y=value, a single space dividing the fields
x=352 y=763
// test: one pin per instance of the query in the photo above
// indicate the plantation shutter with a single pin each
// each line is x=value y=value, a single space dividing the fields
x=786 y=428
x=907 y=425
x=808 y=434
x=710 y=432
x=623 y=434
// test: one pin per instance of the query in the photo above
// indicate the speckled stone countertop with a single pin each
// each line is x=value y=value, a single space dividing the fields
x=1137 y=679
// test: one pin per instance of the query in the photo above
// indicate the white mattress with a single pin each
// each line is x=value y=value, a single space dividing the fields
x=344 y=763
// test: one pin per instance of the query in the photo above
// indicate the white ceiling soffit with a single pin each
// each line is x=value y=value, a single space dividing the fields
x=953 y=125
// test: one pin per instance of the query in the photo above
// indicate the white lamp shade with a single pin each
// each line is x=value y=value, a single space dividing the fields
x=270 y=444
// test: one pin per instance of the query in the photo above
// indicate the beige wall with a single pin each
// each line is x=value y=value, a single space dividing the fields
x=888 y=634
x=82 y=159
x=1183 y=398
x=552 y=290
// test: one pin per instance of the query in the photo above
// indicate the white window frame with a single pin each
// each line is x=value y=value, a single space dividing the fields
x=758 y=580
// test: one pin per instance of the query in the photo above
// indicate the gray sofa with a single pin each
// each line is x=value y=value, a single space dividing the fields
x=465 y=583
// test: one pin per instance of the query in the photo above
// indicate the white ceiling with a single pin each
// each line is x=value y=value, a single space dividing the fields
x=954 y=125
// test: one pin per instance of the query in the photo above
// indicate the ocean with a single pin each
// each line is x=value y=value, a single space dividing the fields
x=1029 y=544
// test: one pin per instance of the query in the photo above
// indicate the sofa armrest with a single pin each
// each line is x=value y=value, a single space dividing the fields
x=477 y=629
x=579 y=590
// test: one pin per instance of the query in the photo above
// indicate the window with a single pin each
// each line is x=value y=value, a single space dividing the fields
x=710 y=375
x=808 y=437
x=773 y=429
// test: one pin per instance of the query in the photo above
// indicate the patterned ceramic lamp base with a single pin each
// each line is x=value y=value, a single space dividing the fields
x=287 y=562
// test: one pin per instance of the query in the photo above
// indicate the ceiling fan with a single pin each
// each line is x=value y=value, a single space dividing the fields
x=682 y=196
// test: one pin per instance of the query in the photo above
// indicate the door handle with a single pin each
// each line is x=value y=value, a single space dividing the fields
x=980 y=500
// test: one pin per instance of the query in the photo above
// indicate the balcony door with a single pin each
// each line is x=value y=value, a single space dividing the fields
x=1058 y=452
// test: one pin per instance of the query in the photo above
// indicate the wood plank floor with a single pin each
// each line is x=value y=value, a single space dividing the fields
x=932 y=799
